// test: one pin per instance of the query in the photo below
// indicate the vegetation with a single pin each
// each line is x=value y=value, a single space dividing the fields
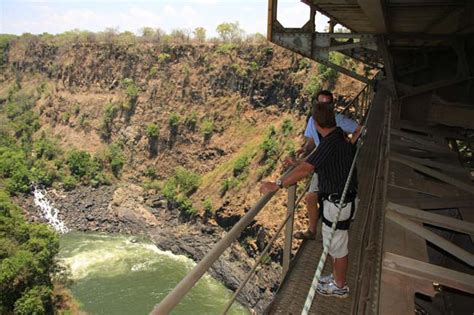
x=230 y=32
x=207 y=128
x=208 y=208
x=107 y=120
x=270 y=150
x=228 y=184
x=200 y=34
x=240 y=165
x=173 y=123
x=179 y=187
x=27 y=254
x=164 y=58
x=132 y=91
x=190 y=121
x=287 y=127
x=152 y=131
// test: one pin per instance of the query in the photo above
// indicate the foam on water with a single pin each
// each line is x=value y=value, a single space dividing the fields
x=49 y=212
x=114 y=255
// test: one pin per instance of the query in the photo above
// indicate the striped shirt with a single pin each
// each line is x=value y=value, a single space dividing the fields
x=332 y=161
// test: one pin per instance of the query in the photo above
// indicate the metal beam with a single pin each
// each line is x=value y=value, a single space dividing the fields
x=431 y=237
x=433 y=273
x=468 y=187
x=433 y=219
x=374 y=11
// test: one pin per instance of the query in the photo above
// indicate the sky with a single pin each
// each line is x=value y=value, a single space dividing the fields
x=56 y=16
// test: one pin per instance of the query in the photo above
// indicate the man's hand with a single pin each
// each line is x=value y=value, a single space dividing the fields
x=267 y=187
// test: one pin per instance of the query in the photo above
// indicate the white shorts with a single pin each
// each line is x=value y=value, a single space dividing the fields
x=340 y=240
x=314 y=186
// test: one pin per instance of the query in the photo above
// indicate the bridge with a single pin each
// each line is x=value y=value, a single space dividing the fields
x=411 y=243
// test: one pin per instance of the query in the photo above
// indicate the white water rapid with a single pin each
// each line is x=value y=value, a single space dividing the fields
x=49 y=212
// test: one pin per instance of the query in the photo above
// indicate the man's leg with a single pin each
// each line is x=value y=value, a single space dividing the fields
x=312 y=207
x=339 y=268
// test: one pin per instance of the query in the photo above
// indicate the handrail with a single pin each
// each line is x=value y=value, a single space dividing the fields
x=175 y=296
x=353 y=100
x=183 y=287
x=264 y=252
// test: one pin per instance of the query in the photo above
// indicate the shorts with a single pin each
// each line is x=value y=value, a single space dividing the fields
x=314 y=186
x=340 y=240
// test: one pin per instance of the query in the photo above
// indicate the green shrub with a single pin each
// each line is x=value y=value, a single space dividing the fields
x=208 y=208
x=178 y=188
x=116 y=159
x=290 y=148
x=109 y=115
x=225 y=48
x=269 y=147
x=79 y=163
x=185 y=205
x=44 y=172
x=173 y=123
x=46 y=149
x=27 y=258
x=34 y=301
x=65 y=117
x=132 y=91
x=190 y=121
x=207 y=128
x=183 y=182
x=69 y=183
x=153 y=71
x=313 y=86
x=152 y=131
x=228 y=184
x=164 y=57
x=287 y=127
x=150 y=172
x=304 y=64
x=240 y=165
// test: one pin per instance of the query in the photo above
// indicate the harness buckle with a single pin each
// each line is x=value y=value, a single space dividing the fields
x=335 y=199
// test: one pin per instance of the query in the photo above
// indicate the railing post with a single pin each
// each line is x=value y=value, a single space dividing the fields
x=289 y=230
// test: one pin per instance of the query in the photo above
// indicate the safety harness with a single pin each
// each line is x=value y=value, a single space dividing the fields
x=335 y=199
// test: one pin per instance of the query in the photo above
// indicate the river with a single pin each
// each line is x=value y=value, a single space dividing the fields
x=124 y=275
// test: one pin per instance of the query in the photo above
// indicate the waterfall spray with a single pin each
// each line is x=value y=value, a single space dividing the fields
x=49 y=212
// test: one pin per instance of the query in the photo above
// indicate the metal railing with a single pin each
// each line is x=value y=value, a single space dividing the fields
x=358 y=107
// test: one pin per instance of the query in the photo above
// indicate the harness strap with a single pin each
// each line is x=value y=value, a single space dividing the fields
x=340 y=225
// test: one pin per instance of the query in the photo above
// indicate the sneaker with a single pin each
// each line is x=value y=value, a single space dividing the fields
x=331 y=289
x=326 y=279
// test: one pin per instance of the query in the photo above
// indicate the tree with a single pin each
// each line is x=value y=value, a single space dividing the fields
x=230 y=32
x=200 y=34
x=148 y=32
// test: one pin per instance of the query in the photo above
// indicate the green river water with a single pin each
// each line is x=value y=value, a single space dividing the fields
x=113 y=275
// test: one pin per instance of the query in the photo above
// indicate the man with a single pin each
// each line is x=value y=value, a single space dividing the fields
x=332 y=161
x=349 y=126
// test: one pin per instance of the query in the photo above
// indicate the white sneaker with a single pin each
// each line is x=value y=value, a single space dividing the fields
x=331 y=289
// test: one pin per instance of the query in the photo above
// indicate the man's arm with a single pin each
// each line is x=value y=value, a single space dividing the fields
x=304 y=151
x=307 y=147
x=299 y=172
x=356 y=134
x=349 y=126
